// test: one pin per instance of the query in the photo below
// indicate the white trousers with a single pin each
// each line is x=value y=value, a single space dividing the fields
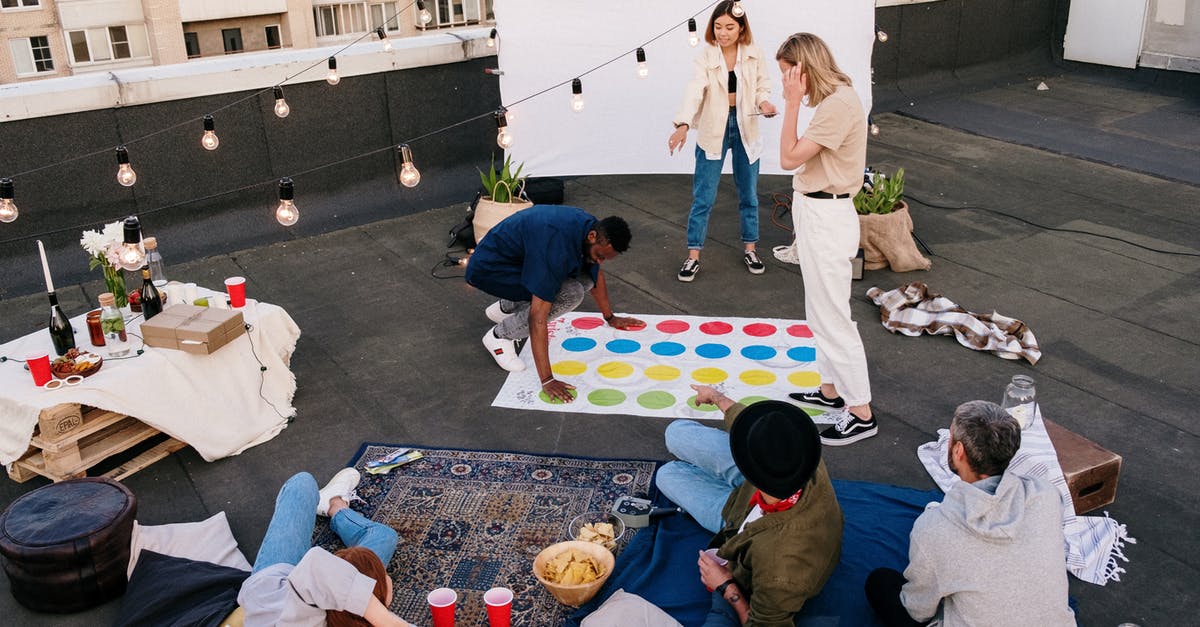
x=826 y=240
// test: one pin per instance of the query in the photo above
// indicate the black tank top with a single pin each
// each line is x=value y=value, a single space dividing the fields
x=732 y=82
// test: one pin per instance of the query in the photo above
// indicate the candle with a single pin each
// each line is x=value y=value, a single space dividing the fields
x=45 y=267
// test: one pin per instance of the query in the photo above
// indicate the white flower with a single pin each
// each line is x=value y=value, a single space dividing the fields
x=114 y=234
x=113 y=256
x=92 y=242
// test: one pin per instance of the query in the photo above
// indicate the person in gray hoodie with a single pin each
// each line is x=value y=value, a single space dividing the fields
x=992 y=552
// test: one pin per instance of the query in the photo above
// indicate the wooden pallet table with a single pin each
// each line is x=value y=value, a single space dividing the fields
x=71 y=438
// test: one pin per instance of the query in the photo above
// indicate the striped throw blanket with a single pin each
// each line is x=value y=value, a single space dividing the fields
x=913 y=309
x=1094 y=543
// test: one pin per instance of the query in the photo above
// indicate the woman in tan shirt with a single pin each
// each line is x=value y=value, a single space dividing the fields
x=722 y=101
x=829 y=160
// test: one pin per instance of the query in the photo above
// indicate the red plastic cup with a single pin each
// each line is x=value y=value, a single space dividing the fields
x=236 y=286
x=441 y=605
x=499 y=607
x=39 y=367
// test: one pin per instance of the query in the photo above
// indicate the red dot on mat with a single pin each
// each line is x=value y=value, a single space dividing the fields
x=716 y=327
x=672 y=326
x=799 y=330
x=759 y=329
x=586 y=323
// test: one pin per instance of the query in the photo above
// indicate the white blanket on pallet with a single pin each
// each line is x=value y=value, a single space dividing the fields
x=221 y=404
x=1094 y=543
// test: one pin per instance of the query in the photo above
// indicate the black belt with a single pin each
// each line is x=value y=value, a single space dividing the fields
x=826 y=195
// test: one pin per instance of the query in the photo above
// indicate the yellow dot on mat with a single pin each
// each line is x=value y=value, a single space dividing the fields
x=709 y=375
x=805 y=379
x=662 y=373
x=569 y=368
x=615 y=370
x=757 y=377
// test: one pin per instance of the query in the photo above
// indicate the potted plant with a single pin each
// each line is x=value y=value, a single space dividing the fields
x=504 y=191
x=885 y=226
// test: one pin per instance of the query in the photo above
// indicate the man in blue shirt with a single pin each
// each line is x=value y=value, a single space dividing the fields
x=539 y=262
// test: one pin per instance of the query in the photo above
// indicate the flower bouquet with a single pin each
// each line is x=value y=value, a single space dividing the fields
x=104 y=247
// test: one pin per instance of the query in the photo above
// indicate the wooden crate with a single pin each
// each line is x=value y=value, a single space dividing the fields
x=1091 y=470
x=71 y=438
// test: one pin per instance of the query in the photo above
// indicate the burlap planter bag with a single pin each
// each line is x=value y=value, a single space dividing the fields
x=489 y=213
x=886 y=240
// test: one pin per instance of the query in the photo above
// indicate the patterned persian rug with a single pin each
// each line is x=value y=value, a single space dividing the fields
x=472 y=520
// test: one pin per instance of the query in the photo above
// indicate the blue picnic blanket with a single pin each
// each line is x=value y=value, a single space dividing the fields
x=659 y=564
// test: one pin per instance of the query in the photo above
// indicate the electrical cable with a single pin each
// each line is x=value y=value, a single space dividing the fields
x=262 y=373
x=448 y=262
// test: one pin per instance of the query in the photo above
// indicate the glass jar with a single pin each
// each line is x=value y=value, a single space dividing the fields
x=112 y=323
x=1020 y=400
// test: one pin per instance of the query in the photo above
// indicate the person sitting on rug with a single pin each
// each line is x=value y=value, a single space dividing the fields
x=780 y=527
x=991 y=553
x=539 y=262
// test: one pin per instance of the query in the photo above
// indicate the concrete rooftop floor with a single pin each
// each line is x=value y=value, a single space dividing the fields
x=390 y=354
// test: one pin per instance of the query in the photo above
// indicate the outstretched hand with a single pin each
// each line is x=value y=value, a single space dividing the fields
x=625 y=322
x=559 y=390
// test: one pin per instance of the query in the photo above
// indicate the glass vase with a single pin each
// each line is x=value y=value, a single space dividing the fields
x=114 y=281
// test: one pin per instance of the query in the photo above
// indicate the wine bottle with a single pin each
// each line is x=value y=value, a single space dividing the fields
x=61 y=332
x=152 y=304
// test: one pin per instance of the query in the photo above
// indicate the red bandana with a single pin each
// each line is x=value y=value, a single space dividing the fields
x=785 y=504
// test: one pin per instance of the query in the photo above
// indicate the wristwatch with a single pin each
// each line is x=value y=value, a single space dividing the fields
x=721 y=588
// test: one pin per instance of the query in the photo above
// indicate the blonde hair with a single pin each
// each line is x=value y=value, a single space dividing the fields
x=725 y=7
x=812 y=55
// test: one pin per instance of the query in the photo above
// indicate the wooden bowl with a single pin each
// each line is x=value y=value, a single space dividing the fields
x=77 y=366
x=577 y=594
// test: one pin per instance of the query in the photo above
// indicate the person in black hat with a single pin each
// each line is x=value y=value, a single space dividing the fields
x=779 y=530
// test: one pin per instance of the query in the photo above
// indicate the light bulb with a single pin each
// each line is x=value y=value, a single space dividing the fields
x=737 y=10
x=387 y=43
x=8 y=208
x=281 y=106
x=332 y=77
x=693 y=36
x=874 y=129
x=409 y=175
x=642 y=70
x=125 y=174
x=209 y=139
x=492 y=39
x=286 y=213
x=504 y=139
x=577 y=97
x=880 y=35
x=131 y=256
x=425 y=16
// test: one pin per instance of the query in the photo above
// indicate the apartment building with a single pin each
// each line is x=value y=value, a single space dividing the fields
x=49 y=38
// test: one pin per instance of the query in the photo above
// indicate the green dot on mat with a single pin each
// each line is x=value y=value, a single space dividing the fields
x=656 y=399
x=554 y=401
x=753 y=399
x=692 y=403
x=813 y=412
x=606 y=397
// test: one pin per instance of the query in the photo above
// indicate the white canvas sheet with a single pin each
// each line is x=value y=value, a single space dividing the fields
x=624 y=126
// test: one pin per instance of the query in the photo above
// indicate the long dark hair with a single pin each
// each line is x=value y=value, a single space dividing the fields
x=367 y=563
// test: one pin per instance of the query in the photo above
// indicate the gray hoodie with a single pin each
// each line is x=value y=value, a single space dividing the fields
x=992 y=553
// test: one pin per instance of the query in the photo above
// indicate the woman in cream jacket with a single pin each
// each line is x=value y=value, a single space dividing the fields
x=728 y=91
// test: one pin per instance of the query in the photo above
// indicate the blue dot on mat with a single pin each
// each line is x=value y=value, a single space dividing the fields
x=667 y=349
x=712 y=351
x=759 y=352
x=803 y=353
x=623 y=346
x=579 y=344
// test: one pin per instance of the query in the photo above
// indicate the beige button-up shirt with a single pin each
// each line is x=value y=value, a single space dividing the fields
x=706 y=99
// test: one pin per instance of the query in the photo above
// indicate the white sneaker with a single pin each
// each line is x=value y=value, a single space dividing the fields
x=495 y=313
x=503 y=351
x=342 y=484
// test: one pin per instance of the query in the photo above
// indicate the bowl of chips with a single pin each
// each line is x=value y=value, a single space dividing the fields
x=573 y=571
x=602 y=528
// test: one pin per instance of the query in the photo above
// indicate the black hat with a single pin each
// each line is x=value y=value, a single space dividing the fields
x=776 y=446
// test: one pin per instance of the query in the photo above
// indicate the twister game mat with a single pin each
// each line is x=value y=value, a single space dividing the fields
x=647 y=372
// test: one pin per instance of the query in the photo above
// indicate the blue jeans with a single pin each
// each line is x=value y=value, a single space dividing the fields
x=289 y=536
x=721 y=613
x=704 y=477
x=704 y=188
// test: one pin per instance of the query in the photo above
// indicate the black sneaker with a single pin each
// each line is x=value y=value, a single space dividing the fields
x=818 y=399
x=753 y=263
x=849 y=429
x=689 y=270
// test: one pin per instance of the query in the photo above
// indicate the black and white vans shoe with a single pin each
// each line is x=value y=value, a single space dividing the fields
x=691 y=267
x=848 y=429
x=817 y=399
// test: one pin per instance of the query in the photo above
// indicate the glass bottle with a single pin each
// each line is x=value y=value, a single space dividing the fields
x=61 y=331
x=1020 y=400
x=154 y=259
x=152 y=303
x=116 y=342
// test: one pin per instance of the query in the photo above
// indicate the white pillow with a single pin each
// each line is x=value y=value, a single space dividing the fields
x=205 y=541
x=623 y=609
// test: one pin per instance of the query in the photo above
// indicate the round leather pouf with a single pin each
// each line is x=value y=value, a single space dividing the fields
x=66 y=545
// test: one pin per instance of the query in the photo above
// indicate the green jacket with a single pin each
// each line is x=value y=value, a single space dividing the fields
x=782 y=559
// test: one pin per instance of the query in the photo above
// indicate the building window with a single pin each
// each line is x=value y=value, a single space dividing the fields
x=18 y=4
x=233 y=39
x=384 y=14
x=96 y=45
x=458 y=12
x=31 y=55
x=273 y=39
x=191 y=41
x=119 y=38
x=357 y=17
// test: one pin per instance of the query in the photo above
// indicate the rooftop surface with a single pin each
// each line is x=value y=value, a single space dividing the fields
x=390 y=354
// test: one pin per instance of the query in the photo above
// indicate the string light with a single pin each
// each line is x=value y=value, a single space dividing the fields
x=577 y=98
x=880 y=35
x=693 y=36
x=874 y=129
x=8 y=208
x=387 y=43
x=492 y=39
x=425 y=16
x=281 y=106
x=642 y=70
x=737 y=10
x=409 y=176
x=209 y=139
x=125 y=174
x=504 y=139
x=332 y=77
x=132 y=256
x=286 y=213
